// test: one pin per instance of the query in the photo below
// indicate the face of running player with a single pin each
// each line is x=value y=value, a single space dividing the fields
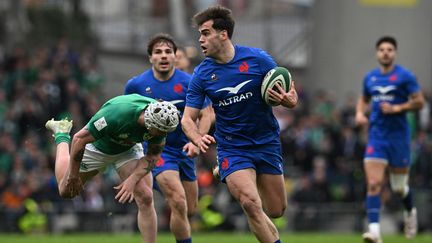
x=210 y=39
x=162 y=58
x=386 y=54
x=182 y=61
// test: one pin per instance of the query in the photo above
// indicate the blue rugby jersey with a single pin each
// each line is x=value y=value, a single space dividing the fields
x=234 y=88
x=172 y=90
x=394 y=87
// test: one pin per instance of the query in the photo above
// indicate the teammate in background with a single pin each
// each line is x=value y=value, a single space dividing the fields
x=391 y=90
x=113 y=136
x=182 y=61
x=247 y=133
x=175 y=173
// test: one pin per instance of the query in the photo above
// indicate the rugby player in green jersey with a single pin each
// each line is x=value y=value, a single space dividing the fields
x=113 y=136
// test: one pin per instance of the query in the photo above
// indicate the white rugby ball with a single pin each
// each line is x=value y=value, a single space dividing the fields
x=279 y=75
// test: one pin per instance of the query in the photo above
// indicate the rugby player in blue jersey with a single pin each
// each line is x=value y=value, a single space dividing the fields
x=247 y=133
x=175 y=172
x=389 y=90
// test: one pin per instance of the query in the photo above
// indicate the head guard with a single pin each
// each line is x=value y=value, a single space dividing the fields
x=163 y=116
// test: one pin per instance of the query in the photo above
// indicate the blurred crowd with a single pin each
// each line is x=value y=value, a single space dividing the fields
x=322 y=147
x=38 y=84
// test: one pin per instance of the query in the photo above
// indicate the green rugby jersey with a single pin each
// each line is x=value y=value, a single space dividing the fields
x=115 y=126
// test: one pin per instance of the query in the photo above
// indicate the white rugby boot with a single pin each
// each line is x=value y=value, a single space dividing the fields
x=410 y=223
x=368 y=237
x=216 y=173
x=62 y=126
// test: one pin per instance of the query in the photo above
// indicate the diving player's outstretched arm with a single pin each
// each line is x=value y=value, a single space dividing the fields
x=143 y=168
x=73 y=184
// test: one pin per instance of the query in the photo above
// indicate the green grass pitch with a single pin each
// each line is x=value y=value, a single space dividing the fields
x=204 y=238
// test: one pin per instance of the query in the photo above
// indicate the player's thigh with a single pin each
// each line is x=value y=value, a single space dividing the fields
x=272 y=191
x=375 y=171
x=92 y=163
x=170 y=185
x=191 y=190
x=242 y=185
x=376 y=160
x=126 y=169
x=125 y=163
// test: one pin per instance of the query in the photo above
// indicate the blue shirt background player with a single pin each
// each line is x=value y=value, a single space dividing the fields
x=389 y=91
x=173 y=90
x=394 y=87
x=174 y=173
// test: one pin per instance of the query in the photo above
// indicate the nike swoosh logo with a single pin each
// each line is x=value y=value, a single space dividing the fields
x=234 y=90
x=384 y=89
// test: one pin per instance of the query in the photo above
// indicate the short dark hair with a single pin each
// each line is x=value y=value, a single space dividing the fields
x=160 y=38
x=221 y=16
x=388 y=39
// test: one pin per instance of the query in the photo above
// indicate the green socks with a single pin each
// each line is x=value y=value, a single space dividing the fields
x=62 y=137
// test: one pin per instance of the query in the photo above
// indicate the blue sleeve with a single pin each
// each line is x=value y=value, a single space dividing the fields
x=266 y=61
x=365 y=88
x=412 y=84
x=130 y=87
x=195 y=94
x=207 y=102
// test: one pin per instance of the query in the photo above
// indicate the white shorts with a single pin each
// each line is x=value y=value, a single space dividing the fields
x=94 y=159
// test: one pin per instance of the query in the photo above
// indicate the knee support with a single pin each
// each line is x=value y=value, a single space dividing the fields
x=399 y=183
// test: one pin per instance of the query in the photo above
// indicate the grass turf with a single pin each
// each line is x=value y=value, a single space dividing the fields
x=202 y=238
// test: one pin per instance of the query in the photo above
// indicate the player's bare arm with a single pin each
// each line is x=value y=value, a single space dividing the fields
x=143 y=168
x=73 y=183
x=360 y=117
x=206 y=119
x=190 y=128
x=415 y=102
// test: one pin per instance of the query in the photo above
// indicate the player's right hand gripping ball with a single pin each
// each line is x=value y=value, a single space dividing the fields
x=279 y=75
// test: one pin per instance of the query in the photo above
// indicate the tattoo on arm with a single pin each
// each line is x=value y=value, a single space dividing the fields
x=150 y=165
